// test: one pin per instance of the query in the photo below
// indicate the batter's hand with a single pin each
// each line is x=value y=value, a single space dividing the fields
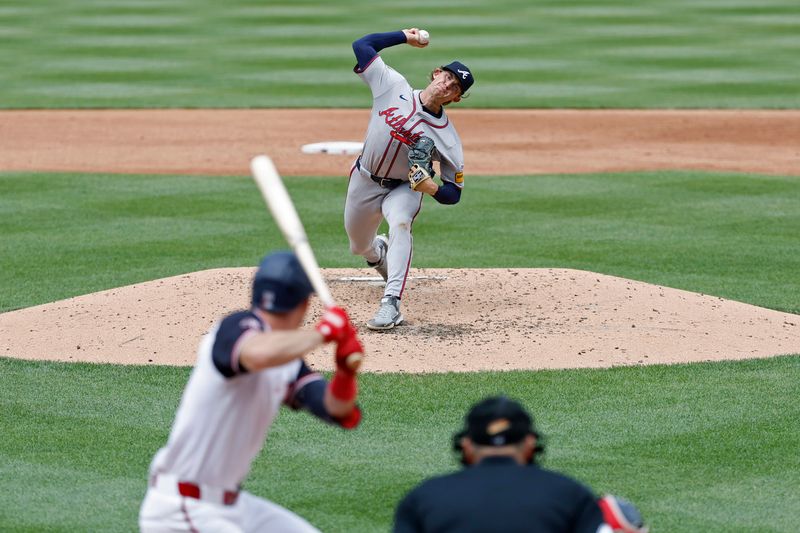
x=334 y=324
x=349 y=353
x=412 y=37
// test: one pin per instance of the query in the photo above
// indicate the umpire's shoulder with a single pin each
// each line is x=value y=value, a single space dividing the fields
x=557 y=480
x=439 y=484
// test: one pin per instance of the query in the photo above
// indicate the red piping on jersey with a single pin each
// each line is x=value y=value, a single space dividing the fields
x=413 y=109
x=361 y=70
x=408 y=266
x=384 y=155
x=424 y=121
x=431 y=124
x=396 y=152
x=299 y=384
x=186 y=516
x=350 y=177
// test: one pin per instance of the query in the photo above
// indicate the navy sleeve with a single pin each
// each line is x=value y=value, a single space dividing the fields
x=405 y=516
x=589 y=516
x=308 y=392
x=227 y=342
x=368 y=46
x=303 y=393
x=448 y=193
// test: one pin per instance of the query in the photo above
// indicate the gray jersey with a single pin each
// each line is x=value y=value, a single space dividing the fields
x=397 y=120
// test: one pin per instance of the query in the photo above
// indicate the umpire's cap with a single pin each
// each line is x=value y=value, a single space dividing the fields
x=498 y=421
x=280 y=283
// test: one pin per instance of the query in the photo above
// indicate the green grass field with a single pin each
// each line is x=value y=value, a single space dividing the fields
x=697 y=447
x=729 y=235
x=543 y=53
x=705 y=447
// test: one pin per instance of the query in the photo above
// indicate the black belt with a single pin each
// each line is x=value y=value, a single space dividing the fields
x=386 y=183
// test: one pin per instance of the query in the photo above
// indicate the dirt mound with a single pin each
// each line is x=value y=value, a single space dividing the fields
x=457 y=320
x=505 y=319
x=496 y=142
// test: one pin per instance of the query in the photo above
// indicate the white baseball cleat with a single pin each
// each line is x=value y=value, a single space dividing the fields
x=388 y=315
x=380 y=266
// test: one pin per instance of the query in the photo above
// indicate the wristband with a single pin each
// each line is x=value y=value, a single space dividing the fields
x=351 y=420
x=447 y=193
x=343 y=386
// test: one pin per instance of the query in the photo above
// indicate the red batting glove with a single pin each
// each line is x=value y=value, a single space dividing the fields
x=334 y=324
x=349 y=353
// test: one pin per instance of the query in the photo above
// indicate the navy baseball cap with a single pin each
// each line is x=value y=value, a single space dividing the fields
x=498 y=421
x=280 y=283
x=463 y=74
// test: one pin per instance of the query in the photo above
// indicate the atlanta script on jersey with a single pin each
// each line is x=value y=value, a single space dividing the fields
x=398 y=120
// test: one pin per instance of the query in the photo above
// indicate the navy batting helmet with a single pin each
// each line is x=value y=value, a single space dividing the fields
x=280 y=283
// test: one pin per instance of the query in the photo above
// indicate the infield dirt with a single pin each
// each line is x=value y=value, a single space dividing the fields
x=505 y=319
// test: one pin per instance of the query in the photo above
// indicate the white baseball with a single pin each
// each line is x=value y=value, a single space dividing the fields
x=424 y=37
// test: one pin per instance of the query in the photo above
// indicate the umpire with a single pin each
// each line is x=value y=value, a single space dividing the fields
x=501 y=489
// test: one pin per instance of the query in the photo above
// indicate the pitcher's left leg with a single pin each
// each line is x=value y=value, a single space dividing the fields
x=400 y=208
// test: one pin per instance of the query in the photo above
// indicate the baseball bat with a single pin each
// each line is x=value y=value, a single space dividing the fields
x=283 y=211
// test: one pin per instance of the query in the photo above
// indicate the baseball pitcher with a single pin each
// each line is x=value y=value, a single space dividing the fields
x=408 y=130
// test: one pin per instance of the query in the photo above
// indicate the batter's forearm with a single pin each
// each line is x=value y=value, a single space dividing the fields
x=368 y=46
x=340 y=405
x=318 y=399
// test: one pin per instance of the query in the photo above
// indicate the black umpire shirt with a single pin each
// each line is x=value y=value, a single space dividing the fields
x=499 y=495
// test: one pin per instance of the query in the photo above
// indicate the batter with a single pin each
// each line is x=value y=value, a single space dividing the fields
x=248 y=366
x=379 y=179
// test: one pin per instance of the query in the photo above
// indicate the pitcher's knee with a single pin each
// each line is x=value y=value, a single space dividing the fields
x=402 y=226
x=359 y=250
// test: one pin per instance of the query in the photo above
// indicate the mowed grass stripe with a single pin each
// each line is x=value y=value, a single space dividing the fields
x=632 y=431
x=729 y=235
x=608 y=54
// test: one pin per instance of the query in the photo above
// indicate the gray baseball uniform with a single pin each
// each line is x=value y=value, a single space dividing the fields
x=397 y=120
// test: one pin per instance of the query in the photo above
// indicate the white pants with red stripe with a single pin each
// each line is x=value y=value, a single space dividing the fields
x=164 y=511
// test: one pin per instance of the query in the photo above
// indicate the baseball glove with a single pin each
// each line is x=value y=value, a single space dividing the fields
x=419 y=161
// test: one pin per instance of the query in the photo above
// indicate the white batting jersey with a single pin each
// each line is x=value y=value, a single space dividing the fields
x=397 y=120
x=225 y=412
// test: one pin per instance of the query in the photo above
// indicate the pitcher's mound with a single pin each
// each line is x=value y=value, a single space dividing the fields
x=456 y=320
